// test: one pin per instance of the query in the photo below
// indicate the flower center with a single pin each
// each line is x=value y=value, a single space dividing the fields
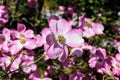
x=22 y=35
x=117 y=65
x=3 y=39
x=110 y=72
x=88 y=24
x=22 y=41
x=99 y=60
x=11 y=59
x=61 y=39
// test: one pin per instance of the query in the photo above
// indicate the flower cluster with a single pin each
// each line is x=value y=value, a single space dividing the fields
x=16 y=48
x=65 y=45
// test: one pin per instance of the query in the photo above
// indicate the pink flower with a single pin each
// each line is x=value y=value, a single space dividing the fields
x=22 y=39
x=18 y=45
x=105 y=70
x=3 y=15
x=115 y=63
x=89 y=28
x=97 y=60
x=22 y=32
x=61 y=37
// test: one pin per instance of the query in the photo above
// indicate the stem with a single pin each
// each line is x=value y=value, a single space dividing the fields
x=38 y=8
x=37 y=60
x=17 y=5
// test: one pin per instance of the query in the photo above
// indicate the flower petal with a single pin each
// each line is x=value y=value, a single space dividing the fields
x=73 y=38
x=64 y=54
x=29 y=34
x=54 y=52
x=77 y=51
x=63 y=26
x=30 y=44
x=21 y=27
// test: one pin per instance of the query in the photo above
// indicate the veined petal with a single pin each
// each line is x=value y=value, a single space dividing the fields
x=77 y=52
x=64 y=54
x=54 y=52
x=53 y=25
x=73 y=38
x=63 y=26
x=50 y=39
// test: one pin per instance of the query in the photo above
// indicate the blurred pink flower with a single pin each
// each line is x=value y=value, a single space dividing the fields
x=3 y=15
x=32 y=3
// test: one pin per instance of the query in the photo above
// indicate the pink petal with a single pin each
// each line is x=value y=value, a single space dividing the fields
x=64 y=55
x=6 y=32
x=73 y=38
x=63 y=26
x=21 y=27
x=30 y=44
x=52 y=24
x=77 y=52
x=15 y=49
x=45 y=32
x=92 y=62
x=98 y=28
x=54 y=52
x=39 y=40
x=117 y=56
x=50 y=39
x=29 y=34
x=88 y=32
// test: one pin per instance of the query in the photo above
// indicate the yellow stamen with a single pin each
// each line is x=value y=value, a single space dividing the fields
x=88 y=24
x=61 y=38
x=22 y=35
x=22 y=41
